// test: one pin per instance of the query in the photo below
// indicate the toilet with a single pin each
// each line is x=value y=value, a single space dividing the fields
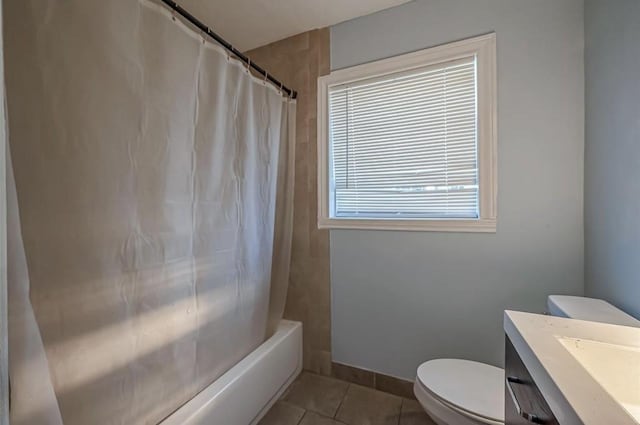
x=464 y=392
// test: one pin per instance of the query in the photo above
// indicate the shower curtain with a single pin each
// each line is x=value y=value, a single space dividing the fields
x=150 y=241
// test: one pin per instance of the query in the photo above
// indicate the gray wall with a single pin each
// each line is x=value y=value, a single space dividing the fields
x=398 y=298
x=612 y=163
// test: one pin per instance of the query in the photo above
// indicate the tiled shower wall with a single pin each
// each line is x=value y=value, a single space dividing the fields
x=298 y=61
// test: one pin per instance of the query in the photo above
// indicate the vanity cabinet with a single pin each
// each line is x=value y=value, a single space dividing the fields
x=524 y=403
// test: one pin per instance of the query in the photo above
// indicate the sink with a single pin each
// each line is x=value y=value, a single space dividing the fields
x=616 y=368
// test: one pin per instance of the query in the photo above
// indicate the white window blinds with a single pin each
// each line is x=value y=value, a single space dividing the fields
x=405 y=145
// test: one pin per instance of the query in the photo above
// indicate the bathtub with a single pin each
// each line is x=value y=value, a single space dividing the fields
x=246 y=392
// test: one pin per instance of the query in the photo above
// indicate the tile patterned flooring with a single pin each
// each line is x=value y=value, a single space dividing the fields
x=319 y=400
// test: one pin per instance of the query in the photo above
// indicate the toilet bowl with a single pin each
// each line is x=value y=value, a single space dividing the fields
x=463 y=392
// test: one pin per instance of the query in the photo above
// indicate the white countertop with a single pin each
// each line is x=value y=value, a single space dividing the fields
x=587 y=371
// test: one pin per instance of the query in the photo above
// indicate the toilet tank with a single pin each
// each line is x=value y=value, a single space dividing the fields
x=591 y=309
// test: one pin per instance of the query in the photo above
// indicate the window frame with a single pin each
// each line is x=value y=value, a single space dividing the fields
x=484 y=49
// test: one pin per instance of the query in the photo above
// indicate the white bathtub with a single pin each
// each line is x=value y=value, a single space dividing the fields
x=246 y=392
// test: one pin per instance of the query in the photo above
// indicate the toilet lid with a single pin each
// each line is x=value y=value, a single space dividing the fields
x=470 y=386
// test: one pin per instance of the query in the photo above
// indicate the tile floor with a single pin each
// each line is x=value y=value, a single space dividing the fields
x=319 y=400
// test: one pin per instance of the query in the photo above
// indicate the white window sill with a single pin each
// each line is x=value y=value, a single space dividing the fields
x=484 y=225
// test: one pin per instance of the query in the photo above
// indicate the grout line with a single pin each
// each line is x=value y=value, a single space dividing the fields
x=302 y=417
x=342 y=401
x=338 y=421
x=401 y=409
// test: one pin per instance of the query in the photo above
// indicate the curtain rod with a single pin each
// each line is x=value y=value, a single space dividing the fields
x=224 y=43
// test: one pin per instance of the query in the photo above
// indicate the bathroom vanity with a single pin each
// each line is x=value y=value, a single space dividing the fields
x=524 y=403
x=570 y=372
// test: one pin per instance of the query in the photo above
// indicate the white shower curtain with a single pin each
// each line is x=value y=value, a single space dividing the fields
x=154 y=182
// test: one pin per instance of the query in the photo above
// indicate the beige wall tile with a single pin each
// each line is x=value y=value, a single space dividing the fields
x=298 y=61
x=353 y=374
x=319 y=361
x=394 y=385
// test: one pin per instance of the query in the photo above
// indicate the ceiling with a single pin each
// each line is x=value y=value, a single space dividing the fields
x=253 y=23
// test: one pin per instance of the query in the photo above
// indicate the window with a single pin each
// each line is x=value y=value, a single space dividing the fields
x=409 y=143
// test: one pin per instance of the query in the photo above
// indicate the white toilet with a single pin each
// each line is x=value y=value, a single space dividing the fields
x=463 y=392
